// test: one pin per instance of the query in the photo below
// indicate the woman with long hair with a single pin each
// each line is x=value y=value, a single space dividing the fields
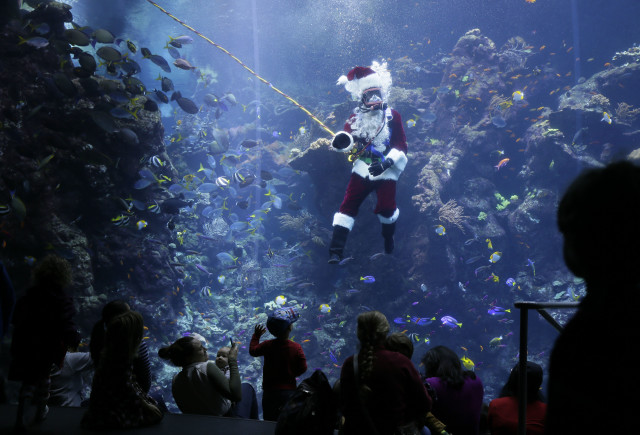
x=459 y=393
x=380 y=391
x=503 y=411
x=201 y=387
x=117 y=401
x=141 y=362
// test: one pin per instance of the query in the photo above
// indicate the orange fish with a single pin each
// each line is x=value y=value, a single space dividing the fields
x=501 y=163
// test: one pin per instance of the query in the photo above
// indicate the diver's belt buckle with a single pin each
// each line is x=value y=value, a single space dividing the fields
x=368 y=157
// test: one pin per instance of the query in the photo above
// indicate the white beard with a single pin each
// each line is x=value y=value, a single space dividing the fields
x=365 y=125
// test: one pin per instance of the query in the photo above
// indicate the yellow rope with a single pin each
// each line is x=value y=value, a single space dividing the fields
x=228 y=53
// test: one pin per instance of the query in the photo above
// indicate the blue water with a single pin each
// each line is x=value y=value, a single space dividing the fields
x=301 y=48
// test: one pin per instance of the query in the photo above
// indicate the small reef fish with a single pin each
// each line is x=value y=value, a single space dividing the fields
x=495 y=257
x=532 y=264
x=467 y=363
x=498 y=311
x=451 y=322
x=141 y=224
x=422 y=321
x=510 y=282
x=222 y=181
x=325 y=308
x=368 y=279
x=399 y=321
x=606 y=118
x=517 y=96
x=281 y=300
x=495 y=341
x=501 y=163
x=440 y=230
x=489 y=244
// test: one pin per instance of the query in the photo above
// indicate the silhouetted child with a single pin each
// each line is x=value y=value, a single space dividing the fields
x=117 y=401
x=592 y=384
x=284 y=360
x=141 y=361
x=503 y=411
x=401 y=343
x=43 y=330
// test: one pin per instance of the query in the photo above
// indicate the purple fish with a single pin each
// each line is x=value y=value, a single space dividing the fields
x=510 y=282
x=201 y=268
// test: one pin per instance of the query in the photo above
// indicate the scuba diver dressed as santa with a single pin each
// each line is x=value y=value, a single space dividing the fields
x=375 y=139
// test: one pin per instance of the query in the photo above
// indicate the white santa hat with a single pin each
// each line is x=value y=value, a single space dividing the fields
x=361 y=78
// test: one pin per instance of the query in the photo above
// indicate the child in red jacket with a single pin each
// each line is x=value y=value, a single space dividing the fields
x=284 y=360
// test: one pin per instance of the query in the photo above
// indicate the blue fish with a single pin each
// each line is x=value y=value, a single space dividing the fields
x=368 y=279
x=511 y=282
x=498 y=311
x=399 y=321
x=421 y=321
x=333 y=357
x=451 y=322
x=532 y=264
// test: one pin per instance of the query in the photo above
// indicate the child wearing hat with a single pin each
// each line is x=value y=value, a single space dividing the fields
x=284 y=360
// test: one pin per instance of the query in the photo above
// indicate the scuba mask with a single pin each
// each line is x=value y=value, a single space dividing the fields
x=371 y=99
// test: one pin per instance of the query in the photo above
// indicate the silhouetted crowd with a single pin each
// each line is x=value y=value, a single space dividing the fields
x=380 y=391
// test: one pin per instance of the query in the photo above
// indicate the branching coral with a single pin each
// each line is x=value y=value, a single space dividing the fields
x=514 y=53
x=625 y=113
x=452 y=213
x=300 y=223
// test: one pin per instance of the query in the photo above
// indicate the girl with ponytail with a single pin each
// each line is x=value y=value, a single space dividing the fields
x=380 y=391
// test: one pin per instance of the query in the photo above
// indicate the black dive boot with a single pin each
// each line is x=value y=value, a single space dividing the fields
x=387 y=233
x=338 y=241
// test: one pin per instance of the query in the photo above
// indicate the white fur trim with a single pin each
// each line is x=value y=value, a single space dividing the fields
x=343 y=220
x=390 y=220
x=347 y=149
x=399 y=159
x=381 y=79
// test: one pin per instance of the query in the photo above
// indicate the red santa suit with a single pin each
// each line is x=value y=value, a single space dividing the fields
x=375 y=133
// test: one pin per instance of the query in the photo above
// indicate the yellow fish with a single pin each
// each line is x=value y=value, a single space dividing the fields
x=495 y=341
x=440 y=230
x=489 y=244
x=467 y=363
x=495 y=257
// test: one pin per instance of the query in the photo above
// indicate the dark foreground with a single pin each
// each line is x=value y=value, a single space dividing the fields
x=67 y=421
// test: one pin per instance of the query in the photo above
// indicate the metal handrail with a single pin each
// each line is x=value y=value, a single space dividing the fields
x=524 y=307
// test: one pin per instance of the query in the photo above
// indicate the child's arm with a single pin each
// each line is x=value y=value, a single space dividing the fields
x=254 y=346
x=300 y=362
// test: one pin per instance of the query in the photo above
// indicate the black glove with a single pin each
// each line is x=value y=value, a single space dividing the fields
x=379 y=167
